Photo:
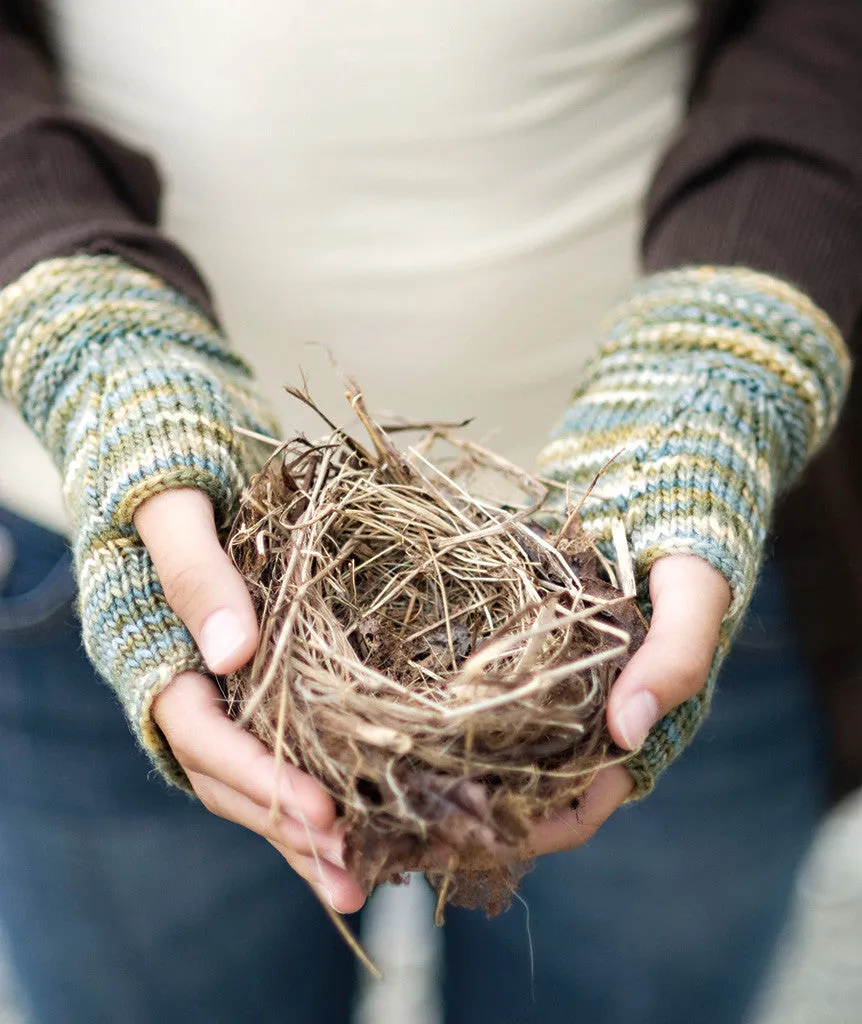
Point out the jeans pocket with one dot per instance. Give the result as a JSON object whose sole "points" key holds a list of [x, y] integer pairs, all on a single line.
{"points": [[37, 586]]}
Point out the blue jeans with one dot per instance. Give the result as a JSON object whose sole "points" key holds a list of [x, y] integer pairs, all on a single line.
{"points": [[124, 901]]}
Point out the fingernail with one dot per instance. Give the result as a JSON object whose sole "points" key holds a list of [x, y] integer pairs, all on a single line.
{"points": [[638, 715], [221, 636], [335, 858]]}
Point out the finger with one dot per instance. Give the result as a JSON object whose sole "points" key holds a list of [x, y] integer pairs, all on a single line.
{"points": [[200, 582], [334, 885], [277, 827], [190, 712], [568, 829], [689, 600]]}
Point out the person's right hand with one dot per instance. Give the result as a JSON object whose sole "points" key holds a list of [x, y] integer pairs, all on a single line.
{"points": [[230, 771], [135, 392]]}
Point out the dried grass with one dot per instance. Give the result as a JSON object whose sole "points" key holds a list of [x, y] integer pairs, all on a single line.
{"points": [[439, 663]]}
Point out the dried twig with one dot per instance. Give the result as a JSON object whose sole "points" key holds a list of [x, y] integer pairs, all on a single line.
{"points": [[437, 662]]}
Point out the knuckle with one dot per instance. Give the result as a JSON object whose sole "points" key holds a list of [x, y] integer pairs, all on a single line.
{"points": [[294, 859], [206, 793], [685, 673], [185, 585], [258, 771], [185, 753], [693, 672], [278, 830]]}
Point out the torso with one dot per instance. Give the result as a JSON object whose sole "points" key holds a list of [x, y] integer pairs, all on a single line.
{"points": [[443, 195]]}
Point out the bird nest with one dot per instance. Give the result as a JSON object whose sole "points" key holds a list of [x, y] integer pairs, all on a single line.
{"points": [[438, 663]]}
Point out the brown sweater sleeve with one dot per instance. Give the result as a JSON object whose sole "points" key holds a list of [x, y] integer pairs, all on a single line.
{"points": [[767, 171], [65, 186], [767, 168]]}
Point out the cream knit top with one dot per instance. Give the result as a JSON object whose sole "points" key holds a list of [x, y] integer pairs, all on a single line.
{"points": [[444, 195]]}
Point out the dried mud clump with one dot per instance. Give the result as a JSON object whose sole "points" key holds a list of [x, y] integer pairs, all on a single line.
{"points": [[439, 663]]}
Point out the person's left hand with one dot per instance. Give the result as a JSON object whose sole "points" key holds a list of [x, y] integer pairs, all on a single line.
{"points": [[689, 599]]}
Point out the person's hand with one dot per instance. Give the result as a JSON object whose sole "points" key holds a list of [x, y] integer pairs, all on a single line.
{"points": [[711, 388], [140, 394], [235, 776], [689, 599], [231, 772]]}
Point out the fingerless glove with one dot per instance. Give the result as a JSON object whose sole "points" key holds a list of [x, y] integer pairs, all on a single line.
{"points": [[713, 389], [132, 389]]}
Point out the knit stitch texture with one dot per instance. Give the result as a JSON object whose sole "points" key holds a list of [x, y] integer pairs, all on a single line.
{"points": [[132, 390], [713, 389]]}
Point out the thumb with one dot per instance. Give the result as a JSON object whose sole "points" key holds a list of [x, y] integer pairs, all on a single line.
{"points": [[689, 600], [199, 580]]}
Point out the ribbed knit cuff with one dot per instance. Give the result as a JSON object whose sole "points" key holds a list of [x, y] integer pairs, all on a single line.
{"points": [[714, 387], [133, 391], [136, 642]]}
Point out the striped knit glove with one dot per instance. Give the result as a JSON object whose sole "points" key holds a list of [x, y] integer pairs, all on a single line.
{"points": [[714, 388], [132, 390]]}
